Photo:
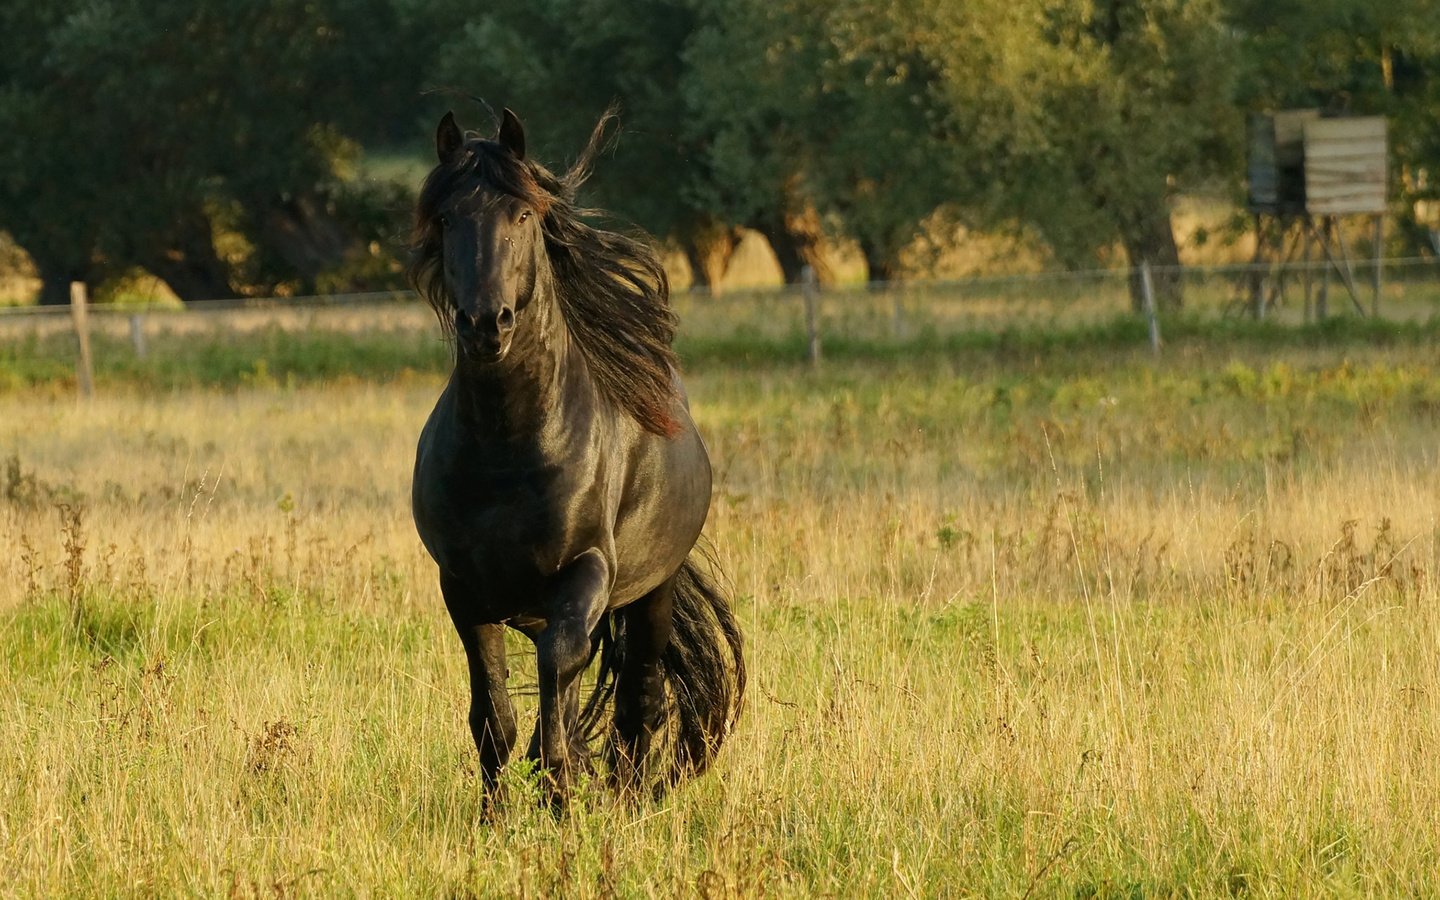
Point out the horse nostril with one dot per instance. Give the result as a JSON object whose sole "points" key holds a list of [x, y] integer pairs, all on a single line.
{"points": [[506, 319]]}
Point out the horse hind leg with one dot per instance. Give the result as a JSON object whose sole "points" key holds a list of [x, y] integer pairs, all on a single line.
{"points": [[640, 686]]}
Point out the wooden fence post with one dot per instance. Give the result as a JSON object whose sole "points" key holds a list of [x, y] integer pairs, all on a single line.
{"points": [[810, 287], [1309, 273], [137, 334], [1379, 273], [1147, 287], [79, 315], [1322, 299]]}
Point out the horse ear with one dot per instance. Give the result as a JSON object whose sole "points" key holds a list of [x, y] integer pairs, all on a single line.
{"points": [[448, 139], [512, 134]]}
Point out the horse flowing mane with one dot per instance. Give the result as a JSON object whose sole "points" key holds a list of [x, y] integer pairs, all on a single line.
{"points": [[612, 289]]}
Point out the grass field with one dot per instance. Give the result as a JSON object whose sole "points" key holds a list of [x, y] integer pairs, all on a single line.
{"points": [[1025, 617]]}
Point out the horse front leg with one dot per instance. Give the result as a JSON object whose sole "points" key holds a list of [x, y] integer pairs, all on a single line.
{"points": [[579, 748], [492, 716], [578, 597]]}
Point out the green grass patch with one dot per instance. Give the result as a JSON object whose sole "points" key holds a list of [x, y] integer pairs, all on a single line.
{"points": [[280, 356]]}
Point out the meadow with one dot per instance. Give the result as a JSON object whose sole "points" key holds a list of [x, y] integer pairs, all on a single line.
{"points": [[1027, 614]]}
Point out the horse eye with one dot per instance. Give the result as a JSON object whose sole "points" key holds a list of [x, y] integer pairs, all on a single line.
{"points": [[444, 219], [524, 216]]}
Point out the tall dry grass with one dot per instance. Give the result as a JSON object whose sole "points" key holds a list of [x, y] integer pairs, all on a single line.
{"points": [[1016, 628]]}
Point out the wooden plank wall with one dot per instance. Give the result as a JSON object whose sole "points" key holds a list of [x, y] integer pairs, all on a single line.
{"points": [[1345, 166], [1262, 176]]}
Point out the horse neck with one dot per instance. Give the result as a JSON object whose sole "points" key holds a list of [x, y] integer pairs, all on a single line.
{"points": [[531, 391]]}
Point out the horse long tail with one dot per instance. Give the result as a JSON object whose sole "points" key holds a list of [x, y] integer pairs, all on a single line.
{"points": [[704, 671], [704, 667]]}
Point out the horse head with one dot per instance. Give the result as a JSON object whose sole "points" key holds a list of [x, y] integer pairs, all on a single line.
{"points": [[494, 230], [490, 243]]}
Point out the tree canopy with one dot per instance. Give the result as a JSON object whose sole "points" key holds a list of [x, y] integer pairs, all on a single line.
{"points": [[145, 127], [216, 145]]}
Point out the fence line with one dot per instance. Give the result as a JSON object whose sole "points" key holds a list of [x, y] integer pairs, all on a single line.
{"points": [[308, 301], [1077, 276], [1393, 267], [888, 314], [893, 313]]}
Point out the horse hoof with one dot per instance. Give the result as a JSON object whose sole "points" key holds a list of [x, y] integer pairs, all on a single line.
{"points": [[555, 790], [581, 760]]}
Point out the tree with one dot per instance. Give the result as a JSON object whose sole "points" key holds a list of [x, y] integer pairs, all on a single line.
{"points": [[1136, 105], [919, 100], [148, 124], [751, 108], [859, 120], [867, 119], [561, 64], [46, 157]]}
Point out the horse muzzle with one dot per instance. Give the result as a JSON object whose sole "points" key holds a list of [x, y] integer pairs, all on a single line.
{"points": [[484, 336]]}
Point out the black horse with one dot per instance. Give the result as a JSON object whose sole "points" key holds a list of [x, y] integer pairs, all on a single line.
{"points": [[560, 483]]}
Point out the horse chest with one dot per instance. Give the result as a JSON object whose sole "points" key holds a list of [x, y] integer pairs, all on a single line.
{"points": [[510, 528]]}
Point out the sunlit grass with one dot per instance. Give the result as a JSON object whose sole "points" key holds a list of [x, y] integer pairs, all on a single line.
{"points": [[1037, 622]]}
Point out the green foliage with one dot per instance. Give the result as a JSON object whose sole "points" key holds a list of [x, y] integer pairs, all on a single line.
{"points": [[147, 125], [809, 105], [218, 146], [1076, 121], [560, 65], [280, 357]]}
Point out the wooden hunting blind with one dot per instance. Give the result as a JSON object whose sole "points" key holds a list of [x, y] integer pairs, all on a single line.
{"points": [[1303, 163], [1277, 162], [1308, 169]]}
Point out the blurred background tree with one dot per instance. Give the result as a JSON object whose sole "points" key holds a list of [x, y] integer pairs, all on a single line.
{"points": [[1138, 107], [561, 65], [148, 129], [824, 122], [230, 149]]}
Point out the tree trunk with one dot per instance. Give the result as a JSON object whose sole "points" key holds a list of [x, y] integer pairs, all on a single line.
{"points": [[192, 279], [796, 240], [881, 267], [190, 266], [55, 278], [55, 291], [306, 236], [186, 261], [1149, 236], [708, 250]]}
